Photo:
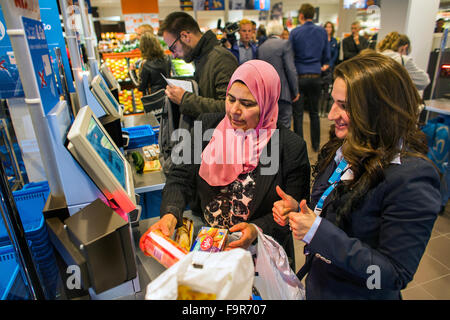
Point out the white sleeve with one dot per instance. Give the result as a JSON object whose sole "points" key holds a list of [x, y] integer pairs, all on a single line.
{"points": [[418, 76]]}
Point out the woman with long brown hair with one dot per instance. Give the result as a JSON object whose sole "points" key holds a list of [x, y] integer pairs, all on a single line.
{"points": [[375, 196], [154, 63]]}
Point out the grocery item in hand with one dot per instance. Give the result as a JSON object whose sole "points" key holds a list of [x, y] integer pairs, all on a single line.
{"points": [[210, 240], [184, 235], [162, 248]]}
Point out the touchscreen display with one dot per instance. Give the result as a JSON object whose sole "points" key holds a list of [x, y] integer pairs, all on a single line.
{"points": [[106, 151], [109, 95]]}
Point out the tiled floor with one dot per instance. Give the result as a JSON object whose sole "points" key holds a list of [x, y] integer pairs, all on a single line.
{"points": [[432, 279]]}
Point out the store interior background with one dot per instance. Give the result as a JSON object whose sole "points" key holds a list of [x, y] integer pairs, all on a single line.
{"points": [[416, 18], [432, 280]]}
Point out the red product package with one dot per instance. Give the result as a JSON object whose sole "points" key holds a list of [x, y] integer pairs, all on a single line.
{"points": [[163, 249]]}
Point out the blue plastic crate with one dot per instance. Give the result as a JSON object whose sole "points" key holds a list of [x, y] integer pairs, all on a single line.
{"points": [[141, 136], [12, 286], [30, 202]]}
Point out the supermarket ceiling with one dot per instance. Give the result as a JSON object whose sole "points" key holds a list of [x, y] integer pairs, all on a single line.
{"points": [[116, 3]]}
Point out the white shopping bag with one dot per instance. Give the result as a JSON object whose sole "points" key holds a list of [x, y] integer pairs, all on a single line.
{"points": [[275, 279], [227, 274]]}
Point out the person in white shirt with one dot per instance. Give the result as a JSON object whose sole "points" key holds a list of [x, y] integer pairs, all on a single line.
{"points": [[397, 46]]}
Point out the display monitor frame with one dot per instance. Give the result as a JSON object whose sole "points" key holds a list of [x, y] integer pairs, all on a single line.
{"points": [[94, 165], [109, 77], [104, 96]]}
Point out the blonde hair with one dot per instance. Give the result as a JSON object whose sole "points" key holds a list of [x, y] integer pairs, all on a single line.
{"points": [[244, 21], [393, 41]]}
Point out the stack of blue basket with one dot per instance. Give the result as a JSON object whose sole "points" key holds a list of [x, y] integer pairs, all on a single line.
{"points": [[30, 202], [12, 285]]}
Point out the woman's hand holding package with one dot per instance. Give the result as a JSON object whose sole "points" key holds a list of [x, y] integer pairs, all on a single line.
{"points": [[166, 225], [301, 222], [281, 208], [249, 234]]}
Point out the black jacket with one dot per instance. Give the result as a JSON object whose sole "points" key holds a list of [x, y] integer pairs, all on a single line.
{"points": [[388, 231], [351, 49], [214, 66], [293, 176], [151, 75]]}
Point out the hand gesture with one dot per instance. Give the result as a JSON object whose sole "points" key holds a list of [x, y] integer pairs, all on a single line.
{"points": [[301, 222], [281, 208]]}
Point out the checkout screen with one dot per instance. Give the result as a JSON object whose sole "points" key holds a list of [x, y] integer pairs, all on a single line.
{"points": [[109, 95], [106, 151]]}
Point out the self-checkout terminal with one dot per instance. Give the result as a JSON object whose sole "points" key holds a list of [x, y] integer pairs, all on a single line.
{"points": [[91, 215]]}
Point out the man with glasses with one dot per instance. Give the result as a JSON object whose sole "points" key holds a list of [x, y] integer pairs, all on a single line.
{"points": [[214, 65]]}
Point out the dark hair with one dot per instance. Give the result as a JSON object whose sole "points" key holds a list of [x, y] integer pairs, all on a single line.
{"points": [[332, 27], [261, 31], [378, 88], [176, 22], [307, 10]]}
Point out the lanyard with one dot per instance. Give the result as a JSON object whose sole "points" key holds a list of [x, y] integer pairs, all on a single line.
{"points": [[334, 179]]}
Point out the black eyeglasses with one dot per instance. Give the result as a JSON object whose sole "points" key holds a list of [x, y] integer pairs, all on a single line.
{"points": [[171, 49]]}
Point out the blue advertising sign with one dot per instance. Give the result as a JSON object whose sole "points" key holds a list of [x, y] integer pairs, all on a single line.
{"points": [[37, 44], [262, 5], [55, 39], [10, 85]]}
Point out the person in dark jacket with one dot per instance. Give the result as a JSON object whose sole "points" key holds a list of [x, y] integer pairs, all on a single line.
{"points": [[155, 63], [237, 188], [279, 54], [334, 45], [353, 44], [375, 196], [214, 64], [244, 49]]}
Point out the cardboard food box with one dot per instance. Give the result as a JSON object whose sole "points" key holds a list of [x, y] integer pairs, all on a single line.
{"points": [[210, 240]]}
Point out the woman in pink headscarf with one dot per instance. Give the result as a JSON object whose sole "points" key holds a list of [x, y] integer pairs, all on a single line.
{"points": [[243, 161]]}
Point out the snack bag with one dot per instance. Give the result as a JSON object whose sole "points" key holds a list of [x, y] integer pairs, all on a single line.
{"points": [[186, 293], [163, 249], [185, 234], [210, 240]]}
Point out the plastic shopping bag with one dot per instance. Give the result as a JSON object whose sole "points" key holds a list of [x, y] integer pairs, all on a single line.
{"points": [[274, 278], [223, 275]]}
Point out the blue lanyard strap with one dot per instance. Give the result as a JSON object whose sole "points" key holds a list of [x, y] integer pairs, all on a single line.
{"points": [[334, 179]]}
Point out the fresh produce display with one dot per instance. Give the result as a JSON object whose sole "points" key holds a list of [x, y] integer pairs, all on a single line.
{"points": [[119, 67], [126, 99], [117, 42]]}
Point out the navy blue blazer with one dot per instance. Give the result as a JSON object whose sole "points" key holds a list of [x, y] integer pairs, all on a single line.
{"points": [[235, 50], [390, 231]]}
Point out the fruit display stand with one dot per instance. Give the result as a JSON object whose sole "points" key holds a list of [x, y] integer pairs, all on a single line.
{"points": [[119, 64]]}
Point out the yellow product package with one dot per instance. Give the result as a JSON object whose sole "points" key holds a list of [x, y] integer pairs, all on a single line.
{"points": [[185, 234]]}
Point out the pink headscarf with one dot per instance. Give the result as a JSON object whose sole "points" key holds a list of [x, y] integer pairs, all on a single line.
{"points": [[245, 148]]}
